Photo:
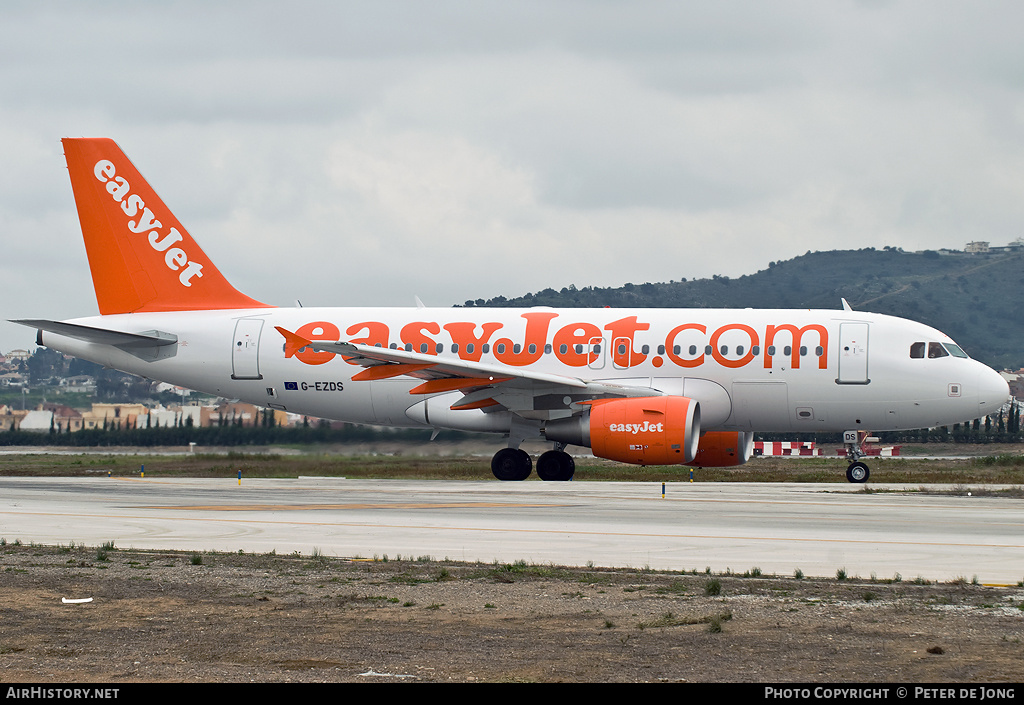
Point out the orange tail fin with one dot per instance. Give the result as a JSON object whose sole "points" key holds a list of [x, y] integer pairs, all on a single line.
{"points": [[141, 257]]}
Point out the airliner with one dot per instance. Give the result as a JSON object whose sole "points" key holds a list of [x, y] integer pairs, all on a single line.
{"points": [[639, 386]]}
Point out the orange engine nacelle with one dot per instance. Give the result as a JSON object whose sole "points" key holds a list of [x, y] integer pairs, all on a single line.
{"points": [[721, 449], [641, 430]]}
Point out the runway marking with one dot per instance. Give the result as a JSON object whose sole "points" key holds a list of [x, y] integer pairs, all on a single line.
{"points": [[309, 507]]}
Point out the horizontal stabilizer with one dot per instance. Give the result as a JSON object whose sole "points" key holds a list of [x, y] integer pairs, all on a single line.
{"points": [[149, 345]]}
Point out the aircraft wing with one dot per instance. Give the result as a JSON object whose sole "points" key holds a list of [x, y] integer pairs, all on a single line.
{"points": [[483, 385]]}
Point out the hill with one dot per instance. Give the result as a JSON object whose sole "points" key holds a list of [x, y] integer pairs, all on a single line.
{"points": [[977, 299]]}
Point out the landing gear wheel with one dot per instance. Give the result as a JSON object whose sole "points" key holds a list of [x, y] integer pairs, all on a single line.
{"points": [[857, 472], [511, 464], [556, 465]]}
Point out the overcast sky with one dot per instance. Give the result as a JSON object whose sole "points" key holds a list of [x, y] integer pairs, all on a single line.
{"points": [[361, 153]]}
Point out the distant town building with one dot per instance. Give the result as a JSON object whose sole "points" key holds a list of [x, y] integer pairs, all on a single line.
{"points": [[10, 419], [977, 247], [37, 421], [1015, 246], [112, 415]]}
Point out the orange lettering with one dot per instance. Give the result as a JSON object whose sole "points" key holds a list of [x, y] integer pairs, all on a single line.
{"points": [[622, 332], [670, 342], [797, 335], [570, 336], [376, 333], [317, 330], [721, 359], [463, 335], [412, 334], [533, 342]]}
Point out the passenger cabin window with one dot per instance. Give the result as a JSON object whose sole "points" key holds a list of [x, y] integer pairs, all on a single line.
{"points": [[917, 350]]}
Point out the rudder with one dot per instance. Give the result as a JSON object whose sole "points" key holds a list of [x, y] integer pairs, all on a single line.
{"points": [[141, 257]]}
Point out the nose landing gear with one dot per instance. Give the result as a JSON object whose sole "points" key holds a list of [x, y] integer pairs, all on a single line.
{"points": [[857, 472]]}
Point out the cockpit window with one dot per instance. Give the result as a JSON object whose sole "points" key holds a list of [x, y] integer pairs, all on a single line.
{"points": [[935, 350], [954, 350]]}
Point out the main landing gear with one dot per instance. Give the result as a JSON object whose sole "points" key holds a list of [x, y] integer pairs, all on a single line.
{"points": [[556, 465], [512, 464]]}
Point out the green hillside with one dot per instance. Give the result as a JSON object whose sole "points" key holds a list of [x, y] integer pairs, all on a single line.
{"points": [[977, 299]]}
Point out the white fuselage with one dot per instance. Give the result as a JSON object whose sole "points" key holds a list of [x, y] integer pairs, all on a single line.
{"points": [[751, 369]]}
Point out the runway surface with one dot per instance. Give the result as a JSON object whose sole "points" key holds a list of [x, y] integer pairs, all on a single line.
{"points": [[775, 527]]}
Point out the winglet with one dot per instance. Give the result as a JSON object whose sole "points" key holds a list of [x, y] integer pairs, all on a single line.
{"points": [[141, 257], [292, 341]]}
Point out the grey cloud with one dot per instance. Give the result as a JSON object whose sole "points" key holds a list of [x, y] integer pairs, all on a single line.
{"points": [[374, 143]]}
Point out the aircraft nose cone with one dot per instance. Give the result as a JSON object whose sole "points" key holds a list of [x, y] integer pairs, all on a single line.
{"points": [[993, 391]]}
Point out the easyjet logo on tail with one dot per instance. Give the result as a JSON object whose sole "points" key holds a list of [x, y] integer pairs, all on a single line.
{"points": [[142, 221]]}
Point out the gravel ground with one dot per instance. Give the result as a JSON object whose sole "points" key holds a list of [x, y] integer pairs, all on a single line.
{"points": [[177, 617]]}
